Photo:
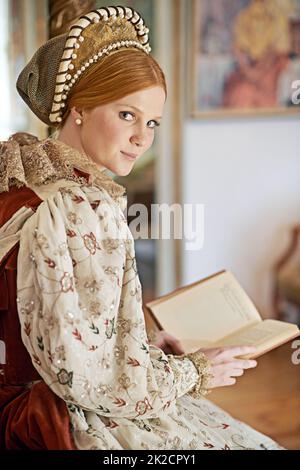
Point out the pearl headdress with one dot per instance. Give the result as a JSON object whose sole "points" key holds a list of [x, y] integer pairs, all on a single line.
{"points": [[45, 82], [95, 35]]}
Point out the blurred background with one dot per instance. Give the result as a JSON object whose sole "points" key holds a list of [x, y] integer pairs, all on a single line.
{"points": [[229, 140]]}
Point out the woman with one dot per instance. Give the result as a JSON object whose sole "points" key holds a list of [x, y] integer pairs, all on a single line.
{"points": [[68, 245]]}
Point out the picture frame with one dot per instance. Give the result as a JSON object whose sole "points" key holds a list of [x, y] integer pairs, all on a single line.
{"points": [[245, 58]]}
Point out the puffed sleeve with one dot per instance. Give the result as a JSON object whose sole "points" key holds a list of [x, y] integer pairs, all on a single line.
{"points": [[80, 308]]}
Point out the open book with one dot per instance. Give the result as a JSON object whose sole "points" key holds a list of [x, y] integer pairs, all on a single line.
{"points": [[216, 311]]}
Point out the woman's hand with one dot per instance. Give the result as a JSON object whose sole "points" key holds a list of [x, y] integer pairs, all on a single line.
{"points": [[225, 365], [168, 343]]}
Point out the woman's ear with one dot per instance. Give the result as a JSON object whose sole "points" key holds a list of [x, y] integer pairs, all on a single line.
{"points": [[76, 112]]}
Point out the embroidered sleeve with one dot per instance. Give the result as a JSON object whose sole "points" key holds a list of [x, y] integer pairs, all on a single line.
{"points": [[185, 372], [201, 375], [80, 309]]}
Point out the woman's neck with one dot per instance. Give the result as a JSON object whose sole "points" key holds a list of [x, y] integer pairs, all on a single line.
{"points": [[70, 136]]}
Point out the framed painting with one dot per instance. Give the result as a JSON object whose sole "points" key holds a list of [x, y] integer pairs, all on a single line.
{"points": [[245, 57]]}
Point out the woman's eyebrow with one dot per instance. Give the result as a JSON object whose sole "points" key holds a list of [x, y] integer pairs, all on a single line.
{"points": [[137, 109]]}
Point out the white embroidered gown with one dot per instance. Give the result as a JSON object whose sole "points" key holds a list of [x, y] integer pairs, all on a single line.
{"points": [[80, 308]]}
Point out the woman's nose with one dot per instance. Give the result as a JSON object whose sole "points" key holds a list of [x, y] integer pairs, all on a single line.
{"points": [[139, 139]]}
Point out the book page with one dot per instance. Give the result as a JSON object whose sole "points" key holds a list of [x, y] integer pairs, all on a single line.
{"points": [[265, 335], [207, 311]]}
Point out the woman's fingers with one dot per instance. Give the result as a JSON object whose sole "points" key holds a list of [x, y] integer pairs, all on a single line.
{"points": [[236, 351], [237, 372], [221, 379], [226, 365], [225, 373], [229, 381], [174, 344], [241, 364], [177, 347]]}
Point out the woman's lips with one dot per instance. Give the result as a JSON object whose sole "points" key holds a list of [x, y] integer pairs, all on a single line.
{"points": [[130, 156]]}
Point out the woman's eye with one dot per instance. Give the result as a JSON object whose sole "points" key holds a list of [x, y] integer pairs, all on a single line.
{"points": [[125, 112], [156, 124]]}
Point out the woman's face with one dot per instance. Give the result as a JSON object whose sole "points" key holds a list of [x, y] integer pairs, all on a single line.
{"points": [[126, 125]]}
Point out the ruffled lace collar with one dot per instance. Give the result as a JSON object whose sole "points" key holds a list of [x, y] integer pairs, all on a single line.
{"points": [[26, 160]]}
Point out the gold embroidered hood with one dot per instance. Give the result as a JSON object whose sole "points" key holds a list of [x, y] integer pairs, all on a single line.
{"points": [[26, 160]]}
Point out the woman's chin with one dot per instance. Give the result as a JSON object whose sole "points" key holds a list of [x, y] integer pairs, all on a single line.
{"points": [[123, 171]]}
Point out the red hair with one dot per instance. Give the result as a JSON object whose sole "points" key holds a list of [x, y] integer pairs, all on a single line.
{"points": [[115, 76]]}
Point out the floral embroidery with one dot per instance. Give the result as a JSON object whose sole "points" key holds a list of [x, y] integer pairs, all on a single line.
{"points": [[65, 377], [78, 199], [61, 353], [110, 328], [124, 381], [112, 424], [27, 328], [125, 325], [95, 204], [67, 283], [77, 335], [142, 425], [40, 342], [62, 249], [96, 309], [120, 402], [71, 233], [74, 219], [93, 286], [36, 359], [94, 329], [119, 353], [133, 362], [91, 243], [42, 241], [50, 263], [112, 272], [109, 244], [142, 406]]}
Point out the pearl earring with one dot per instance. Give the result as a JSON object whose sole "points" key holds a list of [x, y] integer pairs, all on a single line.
{"points": [[78, 121]]}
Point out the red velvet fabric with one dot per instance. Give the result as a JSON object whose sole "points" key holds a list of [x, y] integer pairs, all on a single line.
{"points": [[18, 368], [33, 419]]}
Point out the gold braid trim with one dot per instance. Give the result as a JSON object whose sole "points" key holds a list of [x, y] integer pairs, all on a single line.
{"points": [[203, 366]]}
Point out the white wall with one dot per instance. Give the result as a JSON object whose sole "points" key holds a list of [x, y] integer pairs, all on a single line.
{"points": [[247, 173]]}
